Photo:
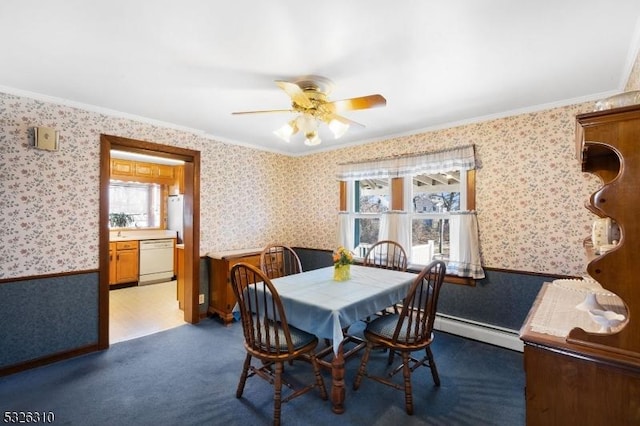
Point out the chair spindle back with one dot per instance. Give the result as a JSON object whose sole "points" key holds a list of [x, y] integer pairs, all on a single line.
{"points": [[279, 261], [415, 325], [386, 254], [264, 322]]}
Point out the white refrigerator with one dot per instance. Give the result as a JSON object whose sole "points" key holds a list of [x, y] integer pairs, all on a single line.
{"points": [[175, 211]]}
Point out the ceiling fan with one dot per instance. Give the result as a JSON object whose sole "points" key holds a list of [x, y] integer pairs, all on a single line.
{"points": [[309, 99]]}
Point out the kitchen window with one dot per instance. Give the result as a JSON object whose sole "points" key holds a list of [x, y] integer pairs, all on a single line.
{"points": [[425, 202], [140, 201]]}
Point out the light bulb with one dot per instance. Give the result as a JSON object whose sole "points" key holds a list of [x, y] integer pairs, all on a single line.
{"points": [[306, 123], [338, 128], [312, 139], [284, 132]]}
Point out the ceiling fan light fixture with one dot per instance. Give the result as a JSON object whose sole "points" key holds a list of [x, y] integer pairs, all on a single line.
{"points": [[309, 100], [306, 123], [286, 131], [312, 138], [338, 128]]}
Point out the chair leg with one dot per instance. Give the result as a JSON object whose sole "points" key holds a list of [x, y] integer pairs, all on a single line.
{"points": [[319, 381], [390, 359], [243, 376], [363, 366], [277, 398], [406, 373], [432, 365]]}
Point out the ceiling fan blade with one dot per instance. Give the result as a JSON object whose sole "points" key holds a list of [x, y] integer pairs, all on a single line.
{"points": [[343, 120], [295, 92], [262, 111], [363, 102]]}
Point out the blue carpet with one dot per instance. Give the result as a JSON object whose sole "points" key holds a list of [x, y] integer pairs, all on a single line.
{"points": [[188, 376]]}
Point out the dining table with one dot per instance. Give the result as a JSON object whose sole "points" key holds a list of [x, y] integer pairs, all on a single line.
{"points": [[316, 303]]}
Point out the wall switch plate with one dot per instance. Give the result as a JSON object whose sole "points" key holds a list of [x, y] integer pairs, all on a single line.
{"points": [[45, 138], [201, 299]]}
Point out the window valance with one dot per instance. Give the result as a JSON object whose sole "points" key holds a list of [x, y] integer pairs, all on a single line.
{"points": [[459, 158]]}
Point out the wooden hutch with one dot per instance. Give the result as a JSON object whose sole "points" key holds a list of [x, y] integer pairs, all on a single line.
{"points": [[593, 378]]}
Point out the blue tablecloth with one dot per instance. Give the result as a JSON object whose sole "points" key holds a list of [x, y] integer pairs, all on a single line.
{"points": [[315, 303]]}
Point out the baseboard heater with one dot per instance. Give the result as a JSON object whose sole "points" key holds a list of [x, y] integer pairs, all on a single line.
{"points": [[482, 332]]}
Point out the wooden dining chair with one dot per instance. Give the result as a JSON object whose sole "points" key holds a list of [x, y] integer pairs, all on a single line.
{"points": [[268, 337], [409, 331], [386, 254], [279, 260]]}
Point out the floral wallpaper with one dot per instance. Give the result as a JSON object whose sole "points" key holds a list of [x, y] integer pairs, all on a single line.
{"points": [[530, 190], [633, 83], [50, 200]]}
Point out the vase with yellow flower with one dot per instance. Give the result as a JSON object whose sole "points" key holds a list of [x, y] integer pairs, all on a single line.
{"points": [[342, 260]]}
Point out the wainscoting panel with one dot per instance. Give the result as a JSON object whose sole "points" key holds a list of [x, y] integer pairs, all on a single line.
{"points": [[501, 299], [41, 317]]}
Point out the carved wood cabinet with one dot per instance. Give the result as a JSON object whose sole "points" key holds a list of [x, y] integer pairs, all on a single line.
{"points": [[587, 377]]}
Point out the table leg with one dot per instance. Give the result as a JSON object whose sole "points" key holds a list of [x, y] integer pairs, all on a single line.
{"points": [[337, 382]]}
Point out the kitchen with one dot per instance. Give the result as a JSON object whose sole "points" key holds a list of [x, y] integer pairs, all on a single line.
{"points": [[145, 234]]}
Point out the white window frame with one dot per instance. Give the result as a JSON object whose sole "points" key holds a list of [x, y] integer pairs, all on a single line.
{"points": [[408, 207], [354, 215]]}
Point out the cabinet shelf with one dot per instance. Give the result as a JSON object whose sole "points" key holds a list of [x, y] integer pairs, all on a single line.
{"points": [[609, 143]]}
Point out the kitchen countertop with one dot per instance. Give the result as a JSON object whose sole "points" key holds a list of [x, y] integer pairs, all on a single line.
{"points": [[130, 235]]}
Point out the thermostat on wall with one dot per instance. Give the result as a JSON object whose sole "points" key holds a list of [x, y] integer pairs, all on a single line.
{"points": [[45, 138]]}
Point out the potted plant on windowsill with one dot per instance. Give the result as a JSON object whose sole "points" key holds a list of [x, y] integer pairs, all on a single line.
{"points": [[120, 220]]}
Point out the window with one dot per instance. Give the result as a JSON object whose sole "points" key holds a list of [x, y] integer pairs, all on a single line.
{"points": [[140, 201], [370, 198], [433, 197], [424, 202]]}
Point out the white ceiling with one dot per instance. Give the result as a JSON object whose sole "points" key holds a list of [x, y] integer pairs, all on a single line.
{"points": [[189, 64]]}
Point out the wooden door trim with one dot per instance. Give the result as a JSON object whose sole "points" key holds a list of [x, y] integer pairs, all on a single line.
{"points": [[191, 226]]}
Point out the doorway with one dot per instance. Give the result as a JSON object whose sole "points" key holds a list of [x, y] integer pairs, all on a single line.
{"points": [[191, 232]]}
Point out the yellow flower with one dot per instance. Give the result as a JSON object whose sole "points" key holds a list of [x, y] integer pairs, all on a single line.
{"points": [[342, 256]]}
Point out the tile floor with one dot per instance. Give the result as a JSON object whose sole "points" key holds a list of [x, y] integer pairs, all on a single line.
{"points": [[138, 311]]}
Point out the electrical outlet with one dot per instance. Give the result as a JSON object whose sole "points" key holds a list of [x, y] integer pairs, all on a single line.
{"points": [[201, 299]]}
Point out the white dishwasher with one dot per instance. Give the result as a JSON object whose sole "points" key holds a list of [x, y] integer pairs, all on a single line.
{"points": [[156, 261]]}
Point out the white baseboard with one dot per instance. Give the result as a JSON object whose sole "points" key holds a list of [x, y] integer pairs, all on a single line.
{"points": [[494, 335]]}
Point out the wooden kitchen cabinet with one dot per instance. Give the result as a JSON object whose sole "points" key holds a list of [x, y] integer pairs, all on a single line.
{"points": [[165, 172], [122, 167], [143, 169], [143, 172], [125, 267], [221, 297], [112, 263], [178, 184]]}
